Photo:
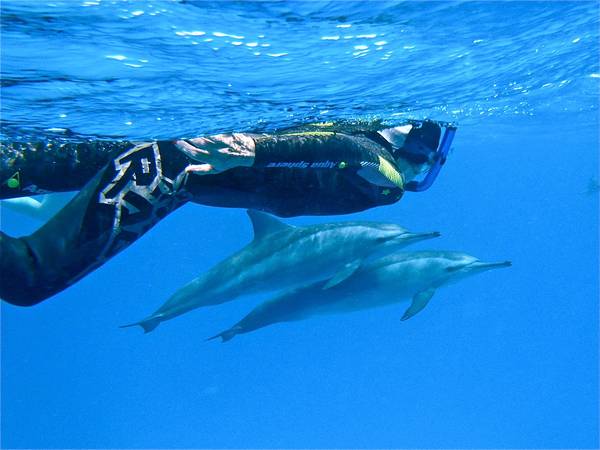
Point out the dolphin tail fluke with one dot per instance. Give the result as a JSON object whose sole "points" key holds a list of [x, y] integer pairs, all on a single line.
{"points": [[147, 324], [226, 335]]}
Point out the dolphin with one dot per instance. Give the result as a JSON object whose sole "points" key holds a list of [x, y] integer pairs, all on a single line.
{"points": [[388, 280], [284, 256]]}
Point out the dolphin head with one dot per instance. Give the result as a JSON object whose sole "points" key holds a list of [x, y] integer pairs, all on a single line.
{"points": [[459, 265], [385, 238], [392, 236]]}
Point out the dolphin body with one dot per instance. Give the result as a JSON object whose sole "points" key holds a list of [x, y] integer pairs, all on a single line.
{"points": [[391, 279], [284, 256]]}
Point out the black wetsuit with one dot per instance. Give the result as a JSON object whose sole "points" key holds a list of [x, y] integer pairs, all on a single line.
{"points": [[126, 188]]}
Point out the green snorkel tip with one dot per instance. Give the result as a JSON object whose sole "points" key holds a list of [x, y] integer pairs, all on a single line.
{"points": [[342, 165], [14, 181]]}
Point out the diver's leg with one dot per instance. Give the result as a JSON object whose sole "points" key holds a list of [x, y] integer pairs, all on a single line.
{"points": [[124, 200], [30, 168]]}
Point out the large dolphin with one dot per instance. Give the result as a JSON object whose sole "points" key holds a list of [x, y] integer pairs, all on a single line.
{"points": [[391, 279], [284, 256]]}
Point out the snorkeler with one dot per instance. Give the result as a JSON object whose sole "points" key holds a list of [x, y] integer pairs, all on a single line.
{"points": [[126, 188]]}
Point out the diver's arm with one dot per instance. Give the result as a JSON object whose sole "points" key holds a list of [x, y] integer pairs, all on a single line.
{"points": [[127, 197], [305, 150], [367, 157]]}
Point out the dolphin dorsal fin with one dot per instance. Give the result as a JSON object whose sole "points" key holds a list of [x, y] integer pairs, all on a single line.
{"points": [[265, 224]]}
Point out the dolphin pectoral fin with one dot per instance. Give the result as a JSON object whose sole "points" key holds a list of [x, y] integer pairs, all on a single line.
{"points": [[265, 224], [344, 273], [226, 335], [419, 302], [147, 324]]}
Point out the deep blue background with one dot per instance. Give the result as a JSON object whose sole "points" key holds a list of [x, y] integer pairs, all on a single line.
{"points": [[505, 359]]}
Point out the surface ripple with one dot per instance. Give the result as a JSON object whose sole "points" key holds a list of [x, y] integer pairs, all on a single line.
{"points": [[182, 68]]}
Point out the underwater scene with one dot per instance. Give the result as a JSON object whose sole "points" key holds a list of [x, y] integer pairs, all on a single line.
{"points": [[303, 224]]}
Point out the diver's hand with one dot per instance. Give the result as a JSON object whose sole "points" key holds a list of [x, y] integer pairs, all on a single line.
{"points": [[218, 153]]}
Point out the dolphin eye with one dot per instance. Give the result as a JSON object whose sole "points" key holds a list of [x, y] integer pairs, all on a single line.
{"points": [[453, 268]]}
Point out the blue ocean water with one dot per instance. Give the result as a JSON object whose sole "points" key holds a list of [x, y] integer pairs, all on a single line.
{"points": [[505, 359]]}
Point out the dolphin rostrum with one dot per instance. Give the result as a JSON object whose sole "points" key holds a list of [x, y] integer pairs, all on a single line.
{"points": [[391, 279], [284, 256]]}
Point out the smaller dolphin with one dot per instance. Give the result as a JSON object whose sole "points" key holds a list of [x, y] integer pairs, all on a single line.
{"points": [[284, 256], [388, 280]]}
